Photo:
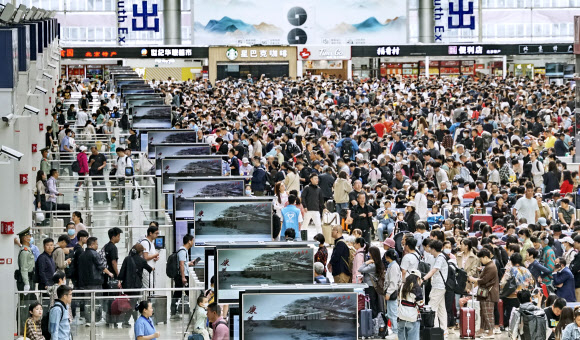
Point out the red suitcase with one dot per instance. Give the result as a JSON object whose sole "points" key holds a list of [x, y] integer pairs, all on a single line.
{"points": [[467, 323], [480, 217], [500, 312]]}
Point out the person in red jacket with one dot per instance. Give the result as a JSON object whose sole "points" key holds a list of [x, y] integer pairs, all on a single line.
{"points": [[83, 161], [567, 184]]}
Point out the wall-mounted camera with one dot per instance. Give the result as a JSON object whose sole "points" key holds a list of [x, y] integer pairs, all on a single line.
{"points": [[46, 75], [8, 118], [40, 89], [52, 66], [53, 58], [10, 153], [31, 109]]}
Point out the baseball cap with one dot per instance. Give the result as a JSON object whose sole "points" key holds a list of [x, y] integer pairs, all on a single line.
{"points": [[567, 239], [389, 242], [542, 221], [411, 204], [415, 272], [245, 160]]}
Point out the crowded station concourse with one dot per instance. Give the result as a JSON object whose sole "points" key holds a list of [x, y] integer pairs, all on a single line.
{"points": [[291, 203], [459, 188]]}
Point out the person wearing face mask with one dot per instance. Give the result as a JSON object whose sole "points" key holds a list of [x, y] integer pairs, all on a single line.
{"points": [[477, 206], [199, 317], [524, 238]]}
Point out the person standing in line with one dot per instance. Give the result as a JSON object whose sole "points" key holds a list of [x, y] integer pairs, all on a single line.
{"points": [[183, 279], [411, 295], [91, 270], [439, 274], [338, 264], [489, 281], [112, 254], [322, 253], [45, 265], [393, 281], [150, 254], [341, 189], [58, 321], [98, 162], [291, 218], [313, 203], [362, 214]]}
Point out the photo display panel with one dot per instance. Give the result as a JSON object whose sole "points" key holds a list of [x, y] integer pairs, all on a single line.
{"points": [[298, 315], [156, 137], [204, 187], [151, 117], [181, 150], [259, 266], [172, 169], [233, 220]]}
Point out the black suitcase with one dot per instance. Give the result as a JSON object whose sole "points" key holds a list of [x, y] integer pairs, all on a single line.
{"points": [[159, 303], [427, 319], [432, 334], [87, 313]]}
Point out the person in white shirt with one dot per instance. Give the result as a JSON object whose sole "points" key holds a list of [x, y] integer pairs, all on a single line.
{"points": [[439, 274], [82, 118], [411, 259], [150, 254], [421, 200], [113, 102]]}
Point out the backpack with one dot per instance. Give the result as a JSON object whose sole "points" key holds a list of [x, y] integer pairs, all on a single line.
{"points": [[75, 166], [423, 267], [387, 174], [486, 140], [460, 280], [375, 149], [534, 324], [346, 148], [351, 253], [364, 175], [450, 283], [103, 257], [45, 321], [84, 103], [172, 269]]}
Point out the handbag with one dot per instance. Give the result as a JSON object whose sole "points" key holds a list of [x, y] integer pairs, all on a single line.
{"points": [[482, 292], [510, 287], [39, 215]]}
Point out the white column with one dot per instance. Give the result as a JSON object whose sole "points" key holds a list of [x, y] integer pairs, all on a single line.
{"points": [[299, 69], [349, 69], [504, 66], [427, 66]]}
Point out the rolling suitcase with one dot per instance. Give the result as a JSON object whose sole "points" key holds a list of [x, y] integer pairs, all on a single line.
{"points": [[432, 334], [367, 328], [159, 303], [467, 323], [480, 217], [427, 319]]}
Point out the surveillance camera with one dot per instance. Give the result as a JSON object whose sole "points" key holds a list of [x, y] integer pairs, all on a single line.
{"points": [[47, 75], [31, 109], [51, 66], [41, 89], [54, 58], [11, 153], [8, 118]]}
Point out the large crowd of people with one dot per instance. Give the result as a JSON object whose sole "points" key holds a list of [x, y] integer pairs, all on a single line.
{"points": [[463, 182]]}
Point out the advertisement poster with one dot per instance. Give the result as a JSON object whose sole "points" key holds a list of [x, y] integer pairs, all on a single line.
{"points": [[324, 22]]}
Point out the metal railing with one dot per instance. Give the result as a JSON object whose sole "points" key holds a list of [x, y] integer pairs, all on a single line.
{"points": [[94, 318]]}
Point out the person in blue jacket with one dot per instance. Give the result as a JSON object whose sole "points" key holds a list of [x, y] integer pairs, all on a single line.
{"points": [[291, 217], [354, 146], [398, 145], [563, 281], [259, 178]]}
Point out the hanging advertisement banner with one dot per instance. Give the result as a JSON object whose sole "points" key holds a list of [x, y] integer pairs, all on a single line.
{"points": [[323, 22], [136, 16]]}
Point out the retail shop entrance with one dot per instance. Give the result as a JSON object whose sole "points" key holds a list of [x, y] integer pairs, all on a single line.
{"points": [[241, 70]]}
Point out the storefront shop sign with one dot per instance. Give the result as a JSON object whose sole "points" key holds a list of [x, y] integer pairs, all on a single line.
{"points": [[324, 53], [133, 52], [233, 53], [546, 49], [458, 50]]}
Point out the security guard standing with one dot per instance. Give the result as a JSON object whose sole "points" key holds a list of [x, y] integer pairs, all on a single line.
{"points": [[25, 272]]}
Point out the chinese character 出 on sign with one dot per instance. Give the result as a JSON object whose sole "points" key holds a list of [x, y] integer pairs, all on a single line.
{"points": [[458, 14], [145, 15]]}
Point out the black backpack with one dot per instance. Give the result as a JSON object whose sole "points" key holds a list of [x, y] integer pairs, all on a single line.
{"points": [[172, 269], [375, 149], [450, 282], [124, 124], [387, 174], [45, 321], [423, 267], [75, 167], [84, 104], [346, 149]]}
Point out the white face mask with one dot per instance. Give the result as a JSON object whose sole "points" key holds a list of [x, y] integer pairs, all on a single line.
{"points": [[477, 204], [447, 251]]}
